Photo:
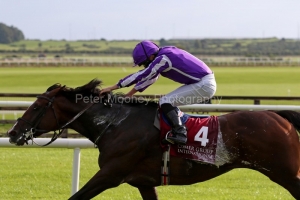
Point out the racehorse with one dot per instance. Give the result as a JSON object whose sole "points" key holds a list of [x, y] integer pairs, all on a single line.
{"points": [[265, 141]]}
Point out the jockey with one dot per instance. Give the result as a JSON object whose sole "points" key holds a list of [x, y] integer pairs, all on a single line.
{"points": [[198, 81]]}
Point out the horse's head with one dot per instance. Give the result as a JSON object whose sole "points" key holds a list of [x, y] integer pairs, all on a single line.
{"points": [[40, 114], [52, 111]]}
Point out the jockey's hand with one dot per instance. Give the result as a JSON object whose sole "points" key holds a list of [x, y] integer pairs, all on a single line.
{"points": [[104, 90], [109, 89]]}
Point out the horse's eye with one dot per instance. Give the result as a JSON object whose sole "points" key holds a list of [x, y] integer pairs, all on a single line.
{"points": [[36, 108]]}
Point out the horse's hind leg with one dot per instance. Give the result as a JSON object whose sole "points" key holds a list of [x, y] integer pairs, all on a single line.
{"points": [[148, 193]]}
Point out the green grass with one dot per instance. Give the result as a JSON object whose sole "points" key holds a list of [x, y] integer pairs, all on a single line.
{"points": [[248, 81], [46, 173], [244, 81], [263, 81], [37, 80]]}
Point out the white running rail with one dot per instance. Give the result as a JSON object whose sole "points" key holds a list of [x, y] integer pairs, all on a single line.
{"points": [[75, 144]]}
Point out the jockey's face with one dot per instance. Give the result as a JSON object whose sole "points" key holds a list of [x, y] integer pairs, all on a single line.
{"points": [[147, 62]]}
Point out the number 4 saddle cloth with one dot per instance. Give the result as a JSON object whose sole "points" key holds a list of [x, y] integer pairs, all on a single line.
{"points": [[202, 138]]}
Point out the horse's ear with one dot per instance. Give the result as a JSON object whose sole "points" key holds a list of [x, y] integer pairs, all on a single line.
{"points": [[56, 91]]}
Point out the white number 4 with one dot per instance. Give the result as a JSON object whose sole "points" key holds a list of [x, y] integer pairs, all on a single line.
{"points": [[201, 136]]}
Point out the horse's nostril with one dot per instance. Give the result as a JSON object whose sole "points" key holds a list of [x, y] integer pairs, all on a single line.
{"points": [[11, 133]]}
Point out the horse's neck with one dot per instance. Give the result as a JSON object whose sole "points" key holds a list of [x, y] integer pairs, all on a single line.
{"points": [[98, 119]]}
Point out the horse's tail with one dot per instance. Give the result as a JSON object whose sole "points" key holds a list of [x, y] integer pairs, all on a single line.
{"points": [[292, 116]]}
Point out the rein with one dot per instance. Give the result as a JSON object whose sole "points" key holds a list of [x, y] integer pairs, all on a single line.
{"points": [[105, 129], [33, 130], [78, 115]]}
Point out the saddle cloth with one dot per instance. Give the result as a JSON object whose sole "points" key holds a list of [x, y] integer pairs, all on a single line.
{"points": [[202, 138]]}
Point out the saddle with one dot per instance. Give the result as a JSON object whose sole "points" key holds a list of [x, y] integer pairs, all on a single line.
{"points": [[202, 137], [202, 140]]}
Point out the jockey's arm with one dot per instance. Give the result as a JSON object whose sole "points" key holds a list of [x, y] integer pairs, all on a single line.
{"points": [[114, 87], [108, 89], [131, 92]]}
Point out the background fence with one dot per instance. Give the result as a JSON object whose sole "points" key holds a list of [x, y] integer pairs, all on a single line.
{"points": [[117, 61], [16, 108]]}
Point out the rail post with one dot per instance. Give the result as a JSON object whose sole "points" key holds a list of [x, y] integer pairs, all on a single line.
{"points": [[76, 170]]}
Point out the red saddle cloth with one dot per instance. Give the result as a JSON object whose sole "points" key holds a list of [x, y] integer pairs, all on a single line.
{"points": [[202, 139]]}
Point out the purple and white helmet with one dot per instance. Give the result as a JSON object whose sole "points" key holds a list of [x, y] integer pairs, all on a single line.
{"points": [[143, 51]]}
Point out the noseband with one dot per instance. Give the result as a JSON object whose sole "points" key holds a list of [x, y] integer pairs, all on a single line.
{"points": [[29, 133]]}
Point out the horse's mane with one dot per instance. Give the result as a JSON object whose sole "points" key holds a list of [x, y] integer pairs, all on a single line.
{"points": [[85, 90], [91, 89]]}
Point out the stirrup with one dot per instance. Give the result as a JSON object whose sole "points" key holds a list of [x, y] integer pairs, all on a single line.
{"points": [[167, 139], [174, 142]]}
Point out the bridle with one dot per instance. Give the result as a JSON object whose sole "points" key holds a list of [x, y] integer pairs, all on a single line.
{"points": [[29, 133]]}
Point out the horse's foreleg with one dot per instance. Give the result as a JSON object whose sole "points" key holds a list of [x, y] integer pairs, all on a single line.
{"points": [[291, 184], [294, 188], [148, 192], [100, 182]]}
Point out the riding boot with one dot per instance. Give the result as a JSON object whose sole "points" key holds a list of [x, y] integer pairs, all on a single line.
{"points": [[178, 134]]}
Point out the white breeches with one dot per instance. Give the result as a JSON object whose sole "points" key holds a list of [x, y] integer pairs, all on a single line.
{"points": [[193, 93]]}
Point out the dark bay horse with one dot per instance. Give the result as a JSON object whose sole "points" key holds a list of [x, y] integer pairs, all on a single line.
{"points": [[264, 141]]}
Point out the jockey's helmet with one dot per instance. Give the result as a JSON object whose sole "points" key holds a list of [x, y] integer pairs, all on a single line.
{"points": [[143, 51]]}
